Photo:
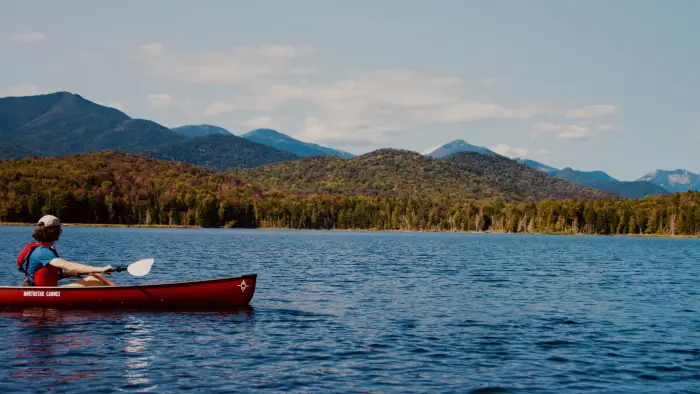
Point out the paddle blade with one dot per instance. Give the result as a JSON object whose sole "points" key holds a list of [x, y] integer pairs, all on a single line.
{"points": [[141, 267]]}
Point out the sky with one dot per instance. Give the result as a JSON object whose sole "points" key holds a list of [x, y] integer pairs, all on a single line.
{"points": [[594, 85]]}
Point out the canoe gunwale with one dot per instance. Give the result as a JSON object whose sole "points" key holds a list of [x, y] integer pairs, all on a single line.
{"points": [[142, 286]]}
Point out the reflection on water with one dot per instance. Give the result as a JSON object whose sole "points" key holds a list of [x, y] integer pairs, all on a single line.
{"points": [[51, 348], [43, 349], [136, 338]]}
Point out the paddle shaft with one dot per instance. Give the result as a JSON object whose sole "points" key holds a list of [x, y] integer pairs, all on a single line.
{"points": [[119, 268]]}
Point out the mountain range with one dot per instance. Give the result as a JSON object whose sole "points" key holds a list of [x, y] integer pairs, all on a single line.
{"points": [[657, 183], [63, 123], [602, 181], [674, 181]]}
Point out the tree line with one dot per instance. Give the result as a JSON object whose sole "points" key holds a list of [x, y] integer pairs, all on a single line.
{"points": [[112, 188], [672, 215]]}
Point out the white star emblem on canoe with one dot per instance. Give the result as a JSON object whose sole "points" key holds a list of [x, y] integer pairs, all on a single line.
{"points": [[243, 286]]}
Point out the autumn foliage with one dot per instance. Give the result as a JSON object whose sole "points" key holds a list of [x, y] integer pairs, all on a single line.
{"points": [[117, 188]]}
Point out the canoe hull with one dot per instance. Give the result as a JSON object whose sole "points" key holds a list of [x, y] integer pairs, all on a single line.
{"points": [[216, 293]]}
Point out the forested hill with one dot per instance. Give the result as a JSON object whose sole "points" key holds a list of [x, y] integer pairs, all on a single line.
{"points": [[111, 187], [391, 172], [385, 172], [513, 177]]}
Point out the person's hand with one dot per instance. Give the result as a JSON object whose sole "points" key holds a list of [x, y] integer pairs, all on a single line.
{"points": [[107, 269]]}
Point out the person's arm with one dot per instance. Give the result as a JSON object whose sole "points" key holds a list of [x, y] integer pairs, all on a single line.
{"points": [[74, 269]]}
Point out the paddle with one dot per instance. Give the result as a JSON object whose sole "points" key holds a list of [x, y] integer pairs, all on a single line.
{"points": [[139, 268]]}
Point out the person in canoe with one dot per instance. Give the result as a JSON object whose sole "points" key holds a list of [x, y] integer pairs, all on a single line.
{"points": [[43, 267]]}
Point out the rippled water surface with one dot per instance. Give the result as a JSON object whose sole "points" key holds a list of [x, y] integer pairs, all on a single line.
{"points": [[379, 312]]}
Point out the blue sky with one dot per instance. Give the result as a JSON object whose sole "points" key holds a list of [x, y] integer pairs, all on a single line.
{"points": [[609, 85]]}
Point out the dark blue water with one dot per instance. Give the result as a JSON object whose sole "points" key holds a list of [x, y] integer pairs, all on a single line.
{"points": [[379, 312]]}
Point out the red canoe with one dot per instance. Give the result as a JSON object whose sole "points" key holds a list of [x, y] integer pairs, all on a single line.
{"points": [[214, 293]]}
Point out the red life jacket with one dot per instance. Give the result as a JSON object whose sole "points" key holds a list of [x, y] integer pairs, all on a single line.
{"points": [[44, 276]]}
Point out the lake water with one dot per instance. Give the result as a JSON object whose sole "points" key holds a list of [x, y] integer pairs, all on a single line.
{"points": [[379, 312]]}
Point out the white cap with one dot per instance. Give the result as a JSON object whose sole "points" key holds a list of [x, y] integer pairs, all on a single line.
{"points": [[49, 221]]}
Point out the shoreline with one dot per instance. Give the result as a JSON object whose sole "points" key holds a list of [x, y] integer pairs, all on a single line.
{"points": [[20, 224], [168, 226]]}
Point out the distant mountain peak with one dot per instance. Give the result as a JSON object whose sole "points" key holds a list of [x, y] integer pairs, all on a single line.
{"points": [[457, 146], [460, 143], [678, 180], [283, 142]]}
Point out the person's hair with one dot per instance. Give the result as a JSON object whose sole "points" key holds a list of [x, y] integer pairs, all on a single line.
{"points": [[47, 234]]}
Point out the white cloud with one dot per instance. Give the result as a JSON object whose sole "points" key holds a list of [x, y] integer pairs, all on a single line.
{"points": [[591, 111], [29, 36], [160, 100], [151, 49], [262, 122], [241, 104], [577, 133], [221, 107], [241, 66], [25, 90], [565, 131], [331, 131], [607, 127], [367, 108], [505, 150], [362, 109], [465, 112], [276, 51]]}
